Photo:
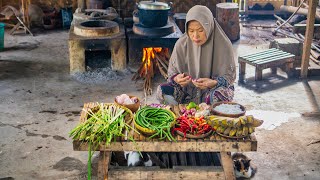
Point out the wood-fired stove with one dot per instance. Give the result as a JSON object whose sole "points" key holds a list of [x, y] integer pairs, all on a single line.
{"points": [[147, 39], [112, 42]]}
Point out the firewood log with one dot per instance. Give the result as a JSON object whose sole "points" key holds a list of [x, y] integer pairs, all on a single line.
{"points": [[315, 54], [292, 9]]}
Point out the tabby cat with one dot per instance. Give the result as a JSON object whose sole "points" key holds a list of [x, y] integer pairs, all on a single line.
{"points": [[243, 167]]}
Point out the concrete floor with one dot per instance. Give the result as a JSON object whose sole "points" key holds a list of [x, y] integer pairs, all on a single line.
{"points": [[40, 103]]}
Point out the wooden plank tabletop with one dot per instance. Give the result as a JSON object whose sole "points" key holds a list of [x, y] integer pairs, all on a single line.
{"points": [[213, 143], [267, 56]]}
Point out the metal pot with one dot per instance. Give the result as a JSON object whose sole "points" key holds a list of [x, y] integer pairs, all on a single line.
{"points": [[135, 16], [153, 14]]}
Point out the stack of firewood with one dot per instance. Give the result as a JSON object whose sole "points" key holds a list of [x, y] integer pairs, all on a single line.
{"points": [[315, 56], [284, 28], [154, 60]]}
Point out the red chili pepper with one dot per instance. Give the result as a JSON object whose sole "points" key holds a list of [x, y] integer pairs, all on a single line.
{"points": [[192, 125], [201, 131], [176, 129], [201, 126]]}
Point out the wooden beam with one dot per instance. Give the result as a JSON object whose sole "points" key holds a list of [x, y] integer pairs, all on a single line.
{"points": [[28, 2], [305, 5], [161, 146], [103, 164], [302, 11], [227, 165], [264, 12], [274, 32], [176, 173], [82, 4], [301, 28], [282, 21], [308, 39], [259, 25]]}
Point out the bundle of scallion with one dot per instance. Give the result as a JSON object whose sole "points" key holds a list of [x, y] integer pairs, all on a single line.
{"points": [[104, 123]]}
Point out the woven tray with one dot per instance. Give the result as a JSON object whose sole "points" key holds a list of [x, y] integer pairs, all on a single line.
{"points": [[228, 115]]}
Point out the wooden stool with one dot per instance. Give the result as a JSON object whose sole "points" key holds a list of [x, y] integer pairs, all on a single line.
{"points": [[271, 58], [228, 19]]}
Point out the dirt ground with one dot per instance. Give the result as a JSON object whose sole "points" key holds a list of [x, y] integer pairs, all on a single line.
{"points": [[40, 103]]}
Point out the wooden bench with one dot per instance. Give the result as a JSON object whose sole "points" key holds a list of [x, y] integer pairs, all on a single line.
{"points": [[213, 143], [271, 58]]}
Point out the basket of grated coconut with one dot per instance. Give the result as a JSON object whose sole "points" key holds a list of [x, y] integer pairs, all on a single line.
{"points": [[228, 109]]}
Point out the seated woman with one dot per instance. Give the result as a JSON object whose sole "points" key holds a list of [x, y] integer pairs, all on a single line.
{"points": [[201, 67]]}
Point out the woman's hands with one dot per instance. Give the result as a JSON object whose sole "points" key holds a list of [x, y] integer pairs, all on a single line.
{"points": [[182, 79], [201, 83], [204, 83]]}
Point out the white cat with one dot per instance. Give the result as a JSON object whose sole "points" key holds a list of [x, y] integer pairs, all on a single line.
{"points": [[134, 159]]}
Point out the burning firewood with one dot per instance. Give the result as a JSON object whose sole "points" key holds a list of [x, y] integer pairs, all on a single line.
{"points": [[162, 71], [153, 59], [162, 62]]}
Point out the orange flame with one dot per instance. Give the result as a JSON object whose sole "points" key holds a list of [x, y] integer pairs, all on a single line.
{"points": [[148, 54]]}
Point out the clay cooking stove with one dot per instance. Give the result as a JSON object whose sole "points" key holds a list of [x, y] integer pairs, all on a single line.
{"points": [[97, 35]]}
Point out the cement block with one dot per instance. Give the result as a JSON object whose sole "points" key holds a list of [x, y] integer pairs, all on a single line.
{"points": [[289, 45]]}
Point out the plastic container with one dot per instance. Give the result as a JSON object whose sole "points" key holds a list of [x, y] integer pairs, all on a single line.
{"points": [[2, 36]]}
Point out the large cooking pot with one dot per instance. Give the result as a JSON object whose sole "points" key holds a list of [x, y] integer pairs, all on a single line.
{"points": [[153, 14]]}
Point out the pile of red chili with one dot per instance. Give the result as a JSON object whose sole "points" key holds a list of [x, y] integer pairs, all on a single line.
{"points": [[192, 125]]}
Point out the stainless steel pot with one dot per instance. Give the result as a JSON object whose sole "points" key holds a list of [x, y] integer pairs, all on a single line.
{"points": [[152, 13], [153, 5]]}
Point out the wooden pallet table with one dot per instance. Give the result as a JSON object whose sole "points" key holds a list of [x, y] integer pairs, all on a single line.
{"points": [[213, 143], [271, 58]]}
